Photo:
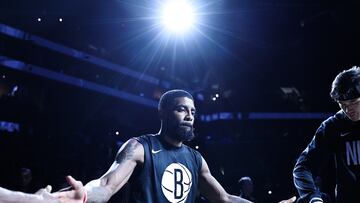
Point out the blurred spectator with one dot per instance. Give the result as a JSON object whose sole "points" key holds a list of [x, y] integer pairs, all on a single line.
{"points": [[246, 188]]}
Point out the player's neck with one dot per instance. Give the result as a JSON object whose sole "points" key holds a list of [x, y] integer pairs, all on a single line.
{"points": [[169, 139]]}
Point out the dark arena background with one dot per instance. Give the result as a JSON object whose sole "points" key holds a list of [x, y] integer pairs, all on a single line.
{"points": [[79, 78]]}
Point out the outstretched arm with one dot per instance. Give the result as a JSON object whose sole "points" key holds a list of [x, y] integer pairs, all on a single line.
{"points": [[212, 189], [42, 196], [214, 192], [100, 190]]}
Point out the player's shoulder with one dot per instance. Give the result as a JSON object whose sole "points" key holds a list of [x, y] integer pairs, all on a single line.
{"points": [[187, 147], [145, 137], [193, 151], [335, 124], [131, 149], [131, 144], [336, 119]]}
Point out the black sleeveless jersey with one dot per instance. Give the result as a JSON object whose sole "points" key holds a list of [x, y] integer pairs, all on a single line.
{"points": [[168, 174]]}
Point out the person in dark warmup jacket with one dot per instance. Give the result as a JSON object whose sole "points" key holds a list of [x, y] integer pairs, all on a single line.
{"points": [[337, 139]]}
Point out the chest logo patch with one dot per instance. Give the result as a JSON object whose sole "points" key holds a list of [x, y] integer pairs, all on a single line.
{"points": [[176, 183]]}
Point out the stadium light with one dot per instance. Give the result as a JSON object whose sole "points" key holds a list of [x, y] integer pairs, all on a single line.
{"points": [[177, 16]]}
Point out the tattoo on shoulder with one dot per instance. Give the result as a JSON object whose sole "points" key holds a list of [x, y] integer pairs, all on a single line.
{"points": [[127, 152]]}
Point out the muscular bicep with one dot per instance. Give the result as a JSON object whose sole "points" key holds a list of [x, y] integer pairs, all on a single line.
{"points": [[129, 156], [132, 150]]}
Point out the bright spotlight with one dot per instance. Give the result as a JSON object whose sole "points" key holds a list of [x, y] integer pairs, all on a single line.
{"points": [[177, 16]]}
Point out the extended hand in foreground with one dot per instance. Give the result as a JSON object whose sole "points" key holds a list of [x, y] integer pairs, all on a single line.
{"points": [[291, 200], [76, 195]]}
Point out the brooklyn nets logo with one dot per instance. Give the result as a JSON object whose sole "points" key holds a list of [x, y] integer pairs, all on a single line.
{"points": [[176, 183]]}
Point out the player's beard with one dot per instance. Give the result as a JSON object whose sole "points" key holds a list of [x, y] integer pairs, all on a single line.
{"points": [[183, 132]]}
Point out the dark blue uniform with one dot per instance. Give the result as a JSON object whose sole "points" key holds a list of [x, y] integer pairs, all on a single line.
{"points": [[169, 174], [337, 139]]}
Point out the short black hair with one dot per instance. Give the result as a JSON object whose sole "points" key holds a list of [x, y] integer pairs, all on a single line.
{"points": [[167, 99], [346, 85]]}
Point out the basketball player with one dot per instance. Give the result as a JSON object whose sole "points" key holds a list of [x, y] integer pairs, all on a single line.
{"points": [[159, 167], [337, 139]]}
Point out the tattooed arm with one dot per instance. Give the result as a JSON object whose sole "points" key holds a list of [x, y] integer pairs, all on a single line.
{"points": [[100, 190], [129, 155]]}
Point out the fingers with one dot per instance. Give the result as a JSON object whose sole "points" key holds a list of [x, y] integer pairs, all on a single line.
{"points": [[79, 190], [293, 199], [65, 189], [48, 188], [75, 191], [74, 183]]}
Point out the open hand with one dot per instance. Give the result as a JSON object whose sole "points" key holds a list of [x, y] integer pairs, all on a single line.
{"points": [[76, 195], [291, 200]]}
